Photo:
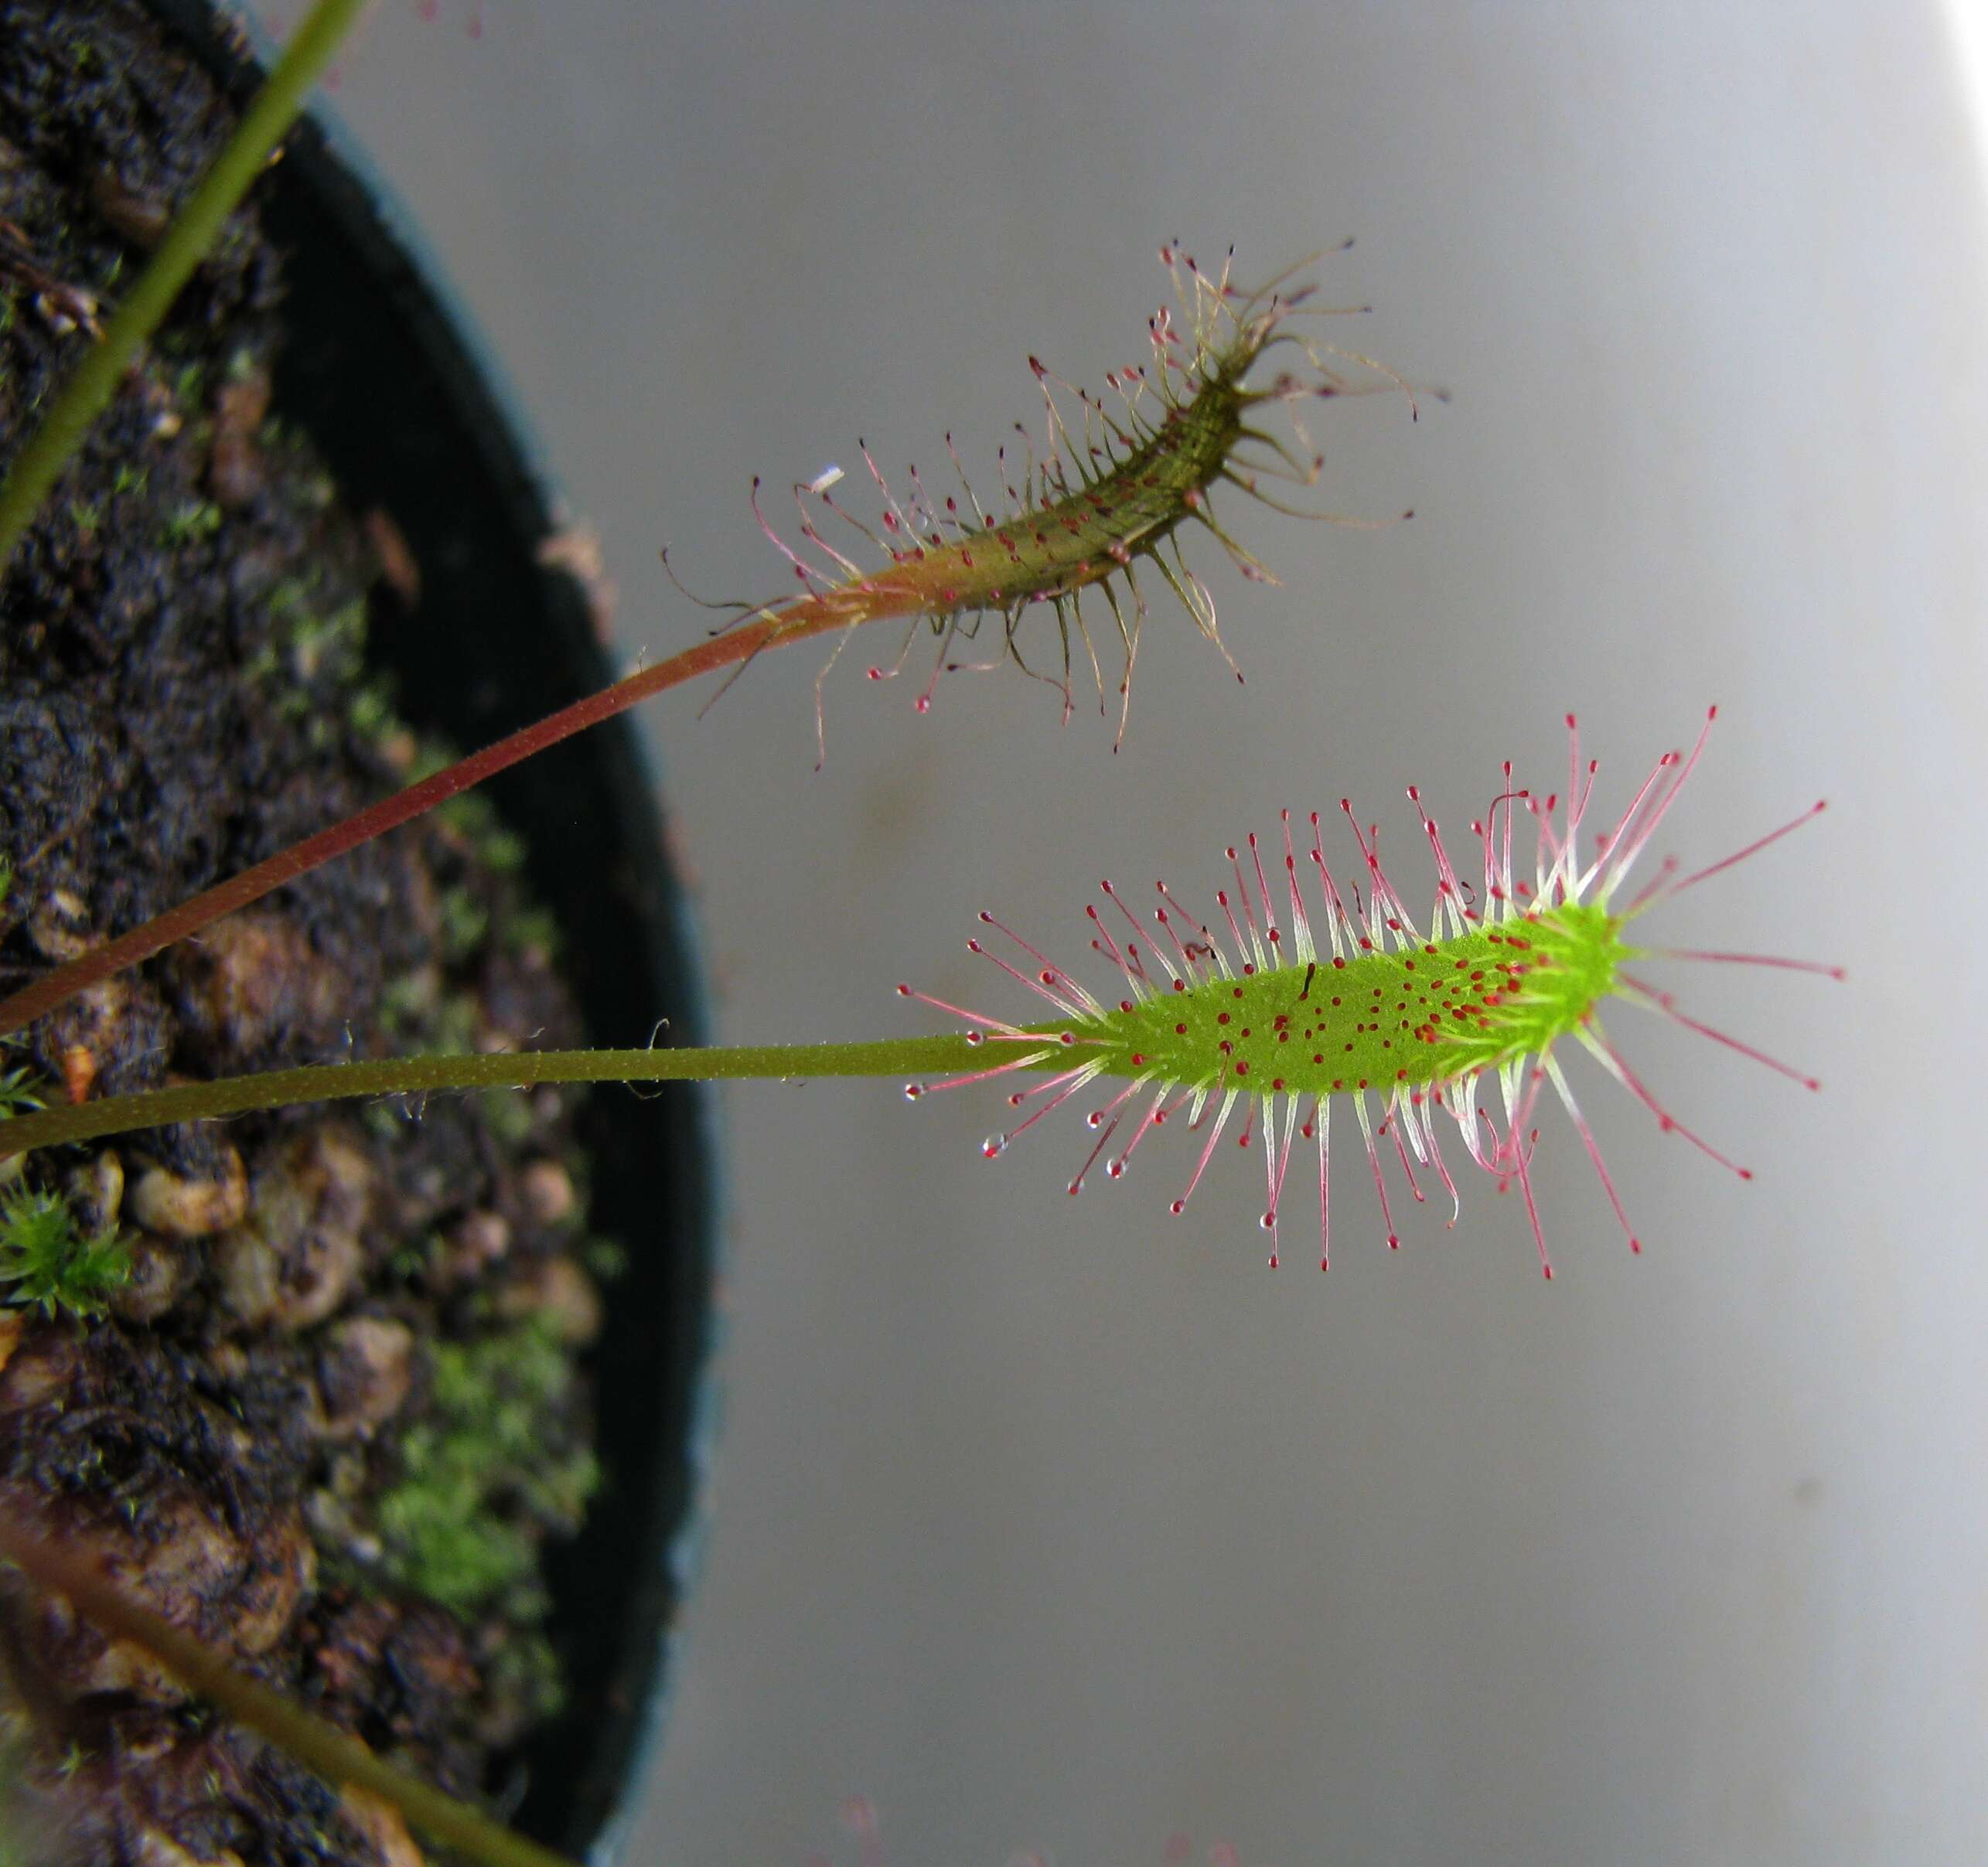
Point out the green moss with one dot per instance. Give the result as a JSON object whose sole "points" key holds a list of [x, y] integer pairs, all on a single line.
{"points": [[331, 646], [262, 665], [292, 593], [525, 1668], [431, 757], [194, 518], [425, 1023], [508, 1114], [414, 1259], [465, 921], [532, 928], [487, 1474], [49, 1262], [469, 813], [501, 849], [406, 1001], [606, 1260], [371, 713], [458, 1020], [19, 1089], [444, 1542]]}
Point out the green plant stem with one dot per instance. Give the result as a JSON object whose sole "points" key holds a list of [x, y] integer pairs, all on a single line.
{"points": [[340, 1759], [194, 230], [417, 1075]]}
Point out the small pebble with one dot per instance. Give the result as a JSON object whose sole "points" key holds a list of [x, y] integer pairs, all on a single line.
{"points": [[365, 1370], [235, 470], [96, 1191], [547, 1189], [140, 219], [160, 1269], [561, 1292], [161, 1201]]}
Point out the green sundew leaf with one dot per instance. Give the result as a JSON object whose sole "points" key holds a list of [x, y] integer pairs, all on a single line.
{"points": [[1290, 1013]]}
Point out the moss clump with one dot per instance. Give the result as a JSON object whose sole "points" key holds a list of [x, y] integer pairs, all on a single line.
{"points": [[477, 1490], [49, 1262], [190, 520]]}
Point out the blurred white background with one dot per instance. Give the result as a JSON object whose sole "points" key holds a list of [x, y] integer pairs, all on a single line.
{"points": [[1068, 1524]]}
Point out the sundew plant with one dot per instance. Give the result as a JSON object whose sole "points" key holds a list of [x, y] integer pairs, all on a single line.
{"points": [[1435, 1019]]}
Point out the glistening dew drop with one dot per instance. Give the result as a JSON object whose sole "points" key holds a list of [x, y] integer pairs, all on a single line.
{"points": [[1275, 1017]]}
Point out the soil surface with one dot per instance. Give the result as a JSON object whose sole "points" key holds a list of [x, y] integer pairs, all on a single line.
{"points": [[326, 1412]]}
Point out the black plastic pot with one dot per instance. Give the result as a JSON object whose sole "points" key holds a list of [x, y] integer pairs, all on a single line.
{"points": [[377, 369]]}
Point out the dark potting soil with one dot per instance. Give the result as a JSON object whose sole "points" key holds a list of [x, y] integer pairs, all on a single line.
{"points": [[330, 1415]]}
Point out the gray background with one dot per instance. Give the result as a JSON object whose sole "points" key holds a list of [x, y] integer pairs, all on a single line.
{"points": [[1066, 1525]]}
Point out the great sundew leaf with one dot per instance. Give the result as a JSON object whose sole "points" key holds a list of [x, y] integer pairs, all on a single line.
{"points": [[1285, 1014], [1110, 487]]}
